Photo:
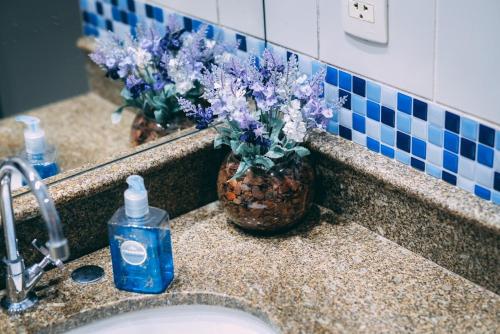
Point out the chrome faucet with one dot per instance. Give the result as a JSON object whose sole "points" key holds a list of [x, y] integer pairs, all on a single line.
{"points": [[20, 280]]}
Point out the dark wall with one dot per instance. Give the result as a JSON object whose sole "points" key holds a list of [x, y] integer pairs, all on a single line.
{"points": [[39, 61]]}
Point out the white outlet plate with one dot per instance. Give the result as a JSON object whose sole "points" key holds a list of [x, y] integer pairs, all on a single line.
{"points": [[366, 19]]}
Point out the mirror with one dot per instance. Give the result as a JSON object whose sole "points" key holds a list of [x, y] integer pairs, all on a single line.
{"points": [[73, 100]]}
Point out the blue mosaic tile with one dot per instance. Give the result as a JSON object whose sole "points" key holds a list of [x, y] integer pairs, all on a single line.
{"points": [[373, 91], [333, 127], [358, 86], [347, 103], [418, 148], [358, 104], [495, 197], [403, 141], [149, 11], [331, 76], [345, 80], [435, 135], [433, 171], [387, 116], [452, 122], [417, 164], [404, 103], [435, 115], [451, 141], [420, 109], [434, 154], [466, 168], [387, 135], [387, 151], [482, 192], [419, 128], [469, 128], [188, 23], [372, 144], [99, 8], [468, 149], [158, 14], [242, 42], [485, 155], [373, 110], [403, 122], [486, 135], [450, 161], [373, 129], [345, 132], [450, 178], [496, 181], [403, 157], [497, 140], [131, 5], [358, 123]]}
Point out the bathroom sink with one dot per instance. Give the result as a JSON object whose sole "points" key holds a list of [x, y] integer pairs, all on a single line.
{"points": [[182, 319]]}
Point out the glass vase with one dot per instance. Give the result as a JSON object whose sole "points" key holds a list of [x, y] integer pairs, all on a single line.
{"points": [[266, 201], [145, 129]]}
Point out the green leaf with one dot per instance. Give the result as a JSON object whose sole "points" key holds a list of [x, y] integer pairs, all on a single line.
{"points": [[220, 140], [159, 116], [301, 151], [264, 162], [275, 152]]}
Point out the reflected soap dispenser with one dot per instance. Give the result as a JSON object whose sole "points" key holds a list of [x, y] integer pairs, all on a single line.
{"points": [[140, 243], [37, 152]]}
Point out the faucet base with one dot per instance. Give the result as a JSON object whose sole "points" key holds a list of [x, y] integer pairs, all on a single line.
{"points": [[19, 307]]}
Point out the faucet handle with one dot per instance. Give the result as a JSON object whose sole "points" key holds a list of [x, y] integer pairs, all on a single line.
{"points": [[45, 252]]}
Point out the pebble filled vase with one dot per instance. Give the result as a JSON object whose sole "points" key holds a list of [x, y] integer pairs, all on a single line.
{"points": [[145, 129], [266, 201]]}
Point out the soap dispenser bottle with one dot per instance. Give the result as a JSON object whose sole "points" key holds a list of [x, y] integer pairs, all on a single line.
{"points": [[140, 244], [37, 152]]}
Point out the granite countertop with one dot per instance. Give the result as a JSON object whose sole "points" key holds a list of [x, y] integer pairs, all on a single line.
{"points": [[79, 127], [328, 275]]}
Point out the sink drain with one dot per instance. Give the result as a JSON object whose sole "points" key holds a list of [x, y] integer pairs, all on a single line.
{"points": [[87, 274]]}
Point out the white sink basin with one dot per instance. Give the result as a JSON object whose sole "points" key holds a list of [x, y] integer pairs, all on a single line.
{"points": [[182, 319]]}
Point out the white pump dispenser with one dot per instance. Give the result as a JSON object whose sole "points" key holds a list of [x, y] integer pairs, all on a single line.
{"points": [[136, 198], [34, 136]]}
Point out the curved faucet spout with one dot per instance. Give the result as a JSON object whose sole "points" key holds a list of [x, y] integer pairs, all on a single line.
{"points": [[20, 281], [57, 244]]}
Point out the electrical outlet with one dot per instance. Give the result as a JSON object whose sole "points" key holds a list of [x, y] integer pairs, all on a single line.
{"points": [[366, 19], [361, 10]]}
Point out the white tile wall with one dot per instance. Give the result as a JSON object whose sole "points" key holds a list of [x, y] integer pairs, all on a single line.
{"points": [[203, 9], [294, 24], [243, 15], [406, 62], [468, 56]]}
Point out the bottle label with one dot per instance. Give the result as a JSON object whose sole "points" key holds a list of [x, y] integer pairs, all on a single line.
{"points": [[133, 252]]}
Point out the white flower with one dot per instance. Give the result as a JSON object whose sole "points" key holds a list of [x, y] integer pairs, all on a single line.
{"points": [[295, 128], [141, 57], [327, 112]]}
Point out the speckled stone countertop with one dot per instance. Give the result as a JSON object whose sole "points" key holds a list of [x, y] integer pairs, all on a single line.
{"points": [[329, 275], [79, 127]]}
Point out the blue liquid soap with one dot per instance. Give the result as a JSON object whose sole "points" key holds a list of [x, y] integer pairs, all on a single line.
{"points": [[37, 152], [44, 164], [140, 243]]}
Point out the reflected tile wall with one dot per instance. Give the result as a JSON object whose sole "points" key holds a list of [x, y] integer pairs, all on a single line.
{"points": [[423, 135]]}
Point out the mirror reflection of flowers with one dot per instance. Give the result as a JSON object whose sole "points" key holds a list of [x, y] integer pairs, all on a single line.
{"points": [[267, 109], [157, 68]]}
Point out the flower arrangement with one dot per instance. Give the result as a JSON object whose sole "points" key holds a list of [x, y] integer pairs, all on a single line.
{"points": [[267, 109], [158, 68]]}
